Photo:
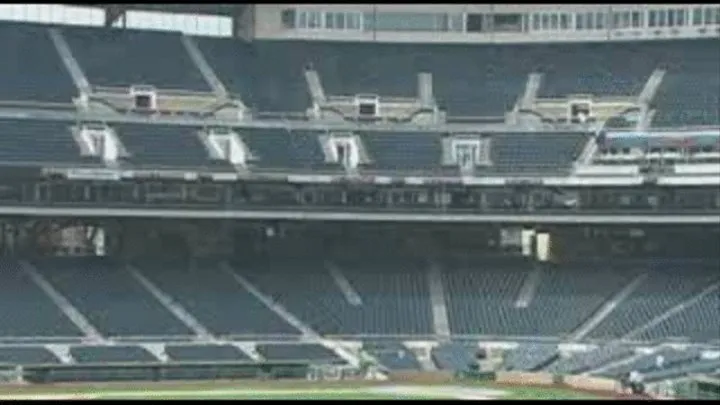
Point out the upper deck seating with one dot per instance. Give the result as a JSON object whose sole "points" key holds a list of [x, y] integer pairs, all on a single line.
{"points": [[31, 69], [122, 58]]}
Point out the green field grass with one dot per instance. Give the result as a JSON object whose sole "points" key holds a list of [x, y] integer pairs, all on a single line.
{"points": [[255, 390]]}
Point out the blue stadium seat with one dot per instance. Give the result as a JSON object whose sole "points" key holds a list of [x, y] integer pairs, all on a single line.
{"points": [[453, 356], [205, 352], [663, 289], [26, 355], [535, 152], [264, 77], [31, 69], [586, 361], [530, 356], [111, 354], [672, 358], [112, 300], [395, 298], [284, 149], [39, 141], [690, 92], [216, 300], [406, 151], [482, 297], [392, 354], [165, 146], [25, 310], [297, 352], [122, 58], [699, 322]]}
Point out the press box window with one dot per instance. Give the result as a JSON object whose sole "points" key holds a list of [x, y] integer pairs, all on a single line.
{"points": [[579, 112], [288, 17], [367, 106]]}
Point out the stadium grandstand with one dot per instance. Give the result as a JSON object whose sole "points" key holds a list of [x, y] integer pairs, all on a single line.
{"points": [[207, 191]]}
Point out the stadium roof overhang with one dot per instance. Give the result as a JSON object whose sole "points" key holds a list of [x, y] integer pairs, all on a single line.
{"points": [[114, 11]]}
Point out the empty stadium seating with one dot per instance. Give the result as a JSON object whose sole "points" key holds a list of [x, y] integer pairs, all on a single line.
{"points": [[39, 141], [284, 149], [663, 289], [590, 360], [122, 58], [165, 146], [475, 80], [700, 323], [26, 355], [483, 295], [410, 151], [31, 69], [604, 69], [690, 93], [264, 79], [672, 358], [535, 152], [392, 354], [453, 356], [25, 310], [113, 302], [683, 370], [216, 300], [205, 352], [110, 354], [530, 357], [297, 352], [394, 297]]}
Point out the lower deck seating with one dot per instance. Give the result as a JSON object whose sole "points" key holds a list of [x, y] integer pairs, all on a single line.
{"points": [[216, 300], [392, 355], [199, 352], [110, 298], [581, 362], [530, 357], [663, 289], [24, 141], [297, 352], [394, 298], [683, 370], [24, 355], [697, 323], [671, 358], [453, 356], [483, 297], [111, 354], [25, 310]]}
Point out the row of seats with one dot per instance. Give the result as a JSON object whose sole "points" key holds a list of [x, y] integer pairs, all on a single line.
{"points": [[268, 75], [394, 298], [380, 295], [27, 355], [664, 288], [672, 358], [530, 357], [582, 362], [393, 355], [483, 297], [168, 146], [453, 356]]}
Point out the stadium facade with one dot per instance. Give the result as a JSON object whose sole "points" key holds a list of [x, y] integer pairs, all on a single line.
{"points": [[413, 184]]}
